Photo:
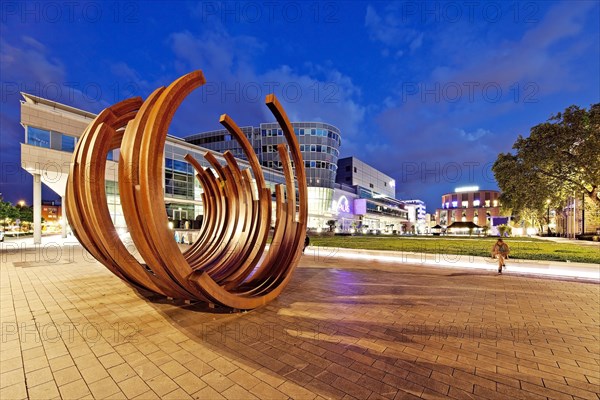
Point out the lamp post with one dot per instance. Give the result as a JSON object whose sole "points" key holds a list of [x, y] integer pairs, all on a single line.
{"points": [[21, 204], [548, 203]]}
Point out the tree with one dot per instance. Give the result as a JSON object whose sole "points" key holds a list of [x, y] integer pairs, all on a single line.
{"points": [[559, 158], [8, 212], [331, 223], [25, 213]]}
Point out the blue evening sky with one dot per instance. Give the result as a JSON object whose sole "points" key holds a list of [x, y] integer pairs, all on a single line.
{"points": [[427, 92]]}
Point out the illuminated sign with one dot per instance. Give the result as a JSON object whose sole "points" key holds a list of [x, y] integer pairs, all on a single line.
{"points": [[467, 189], [360, 206], [341, 205]]}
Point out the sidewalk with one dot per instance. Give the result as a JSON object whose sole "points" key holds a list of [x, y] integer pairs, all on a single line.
{"points": [[570, 241], [583, 271], [350, 324], [514, 266]]}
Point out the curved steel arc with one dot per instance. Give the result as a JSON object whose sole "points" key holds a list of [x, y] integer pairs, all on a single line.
{"points": [[227, 264]]}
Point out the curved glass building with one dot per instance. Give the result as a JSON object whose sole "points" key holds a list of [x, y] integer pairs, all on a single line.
{"points": [[319, 143]]}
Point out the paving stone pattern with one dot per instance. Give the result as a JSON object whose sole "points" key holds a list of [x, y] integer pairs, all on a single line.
{"points": [[340, 330]]}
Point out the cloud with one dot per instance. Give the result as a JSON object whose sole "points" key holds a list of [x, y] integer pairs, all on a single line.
{"points": [[416, 43], [474, 135], [309, 92], [389, 29], [429, 129], [29, 63]]}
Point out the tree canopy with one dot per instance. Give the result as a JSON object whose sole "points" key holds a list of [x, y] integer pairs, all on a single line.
{"points": [[559, 158], [10, 212]]}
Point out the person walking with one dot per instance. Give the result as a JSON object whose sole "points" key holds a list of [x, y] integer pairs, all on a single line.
{"points": [[500, 251]]}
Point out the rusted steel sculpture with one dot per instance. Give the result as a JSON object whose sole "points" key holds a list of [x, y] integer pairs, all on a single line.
{"points": [[227, 265]]}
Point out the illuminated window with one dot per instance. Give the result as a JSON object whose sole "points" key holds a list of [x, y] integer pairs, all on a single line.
{"points": [[465, 204], [68, 143], [476, 203], [38, 137], [487, 203], [495, 202], [455, 204]]}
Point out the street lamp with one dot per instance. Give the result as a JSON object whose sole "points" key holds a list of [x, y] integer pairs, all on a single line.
{"points": [[21, 203], [548, 203]]}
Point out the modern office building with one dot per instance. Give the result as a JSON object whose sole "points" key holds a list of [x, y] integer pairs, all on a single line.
{"points": [[416, 216], [375, 193], [51, 211], [334, 185], [354, 172], [319, 143], [469, 204], [51, 133], [366, 203]]}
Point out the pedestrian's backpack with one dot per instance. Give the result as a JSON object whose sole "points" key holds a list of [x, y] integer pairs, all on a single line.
{"points": [[503, 248]]}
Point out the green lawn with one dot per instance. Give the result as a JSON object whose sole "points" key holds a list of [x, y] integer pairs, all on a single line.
{"points": [[523, 248]]}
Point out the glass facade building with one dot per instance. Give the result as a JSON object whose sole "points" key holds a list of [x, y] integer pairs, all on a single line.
{"points": [[52, 130]]}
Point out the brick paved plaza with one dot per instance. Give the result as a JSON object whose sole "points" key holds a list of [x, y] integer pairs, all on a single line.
{"points": [[71, 329]]}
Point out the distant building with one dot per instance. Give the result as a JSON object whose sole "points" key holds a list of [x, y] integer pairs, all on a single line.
{"points": [[417, 216], [348, 191], [319, 145], [354, 172], [579, 216], [376, 207], [51, 211], [468, 204]]}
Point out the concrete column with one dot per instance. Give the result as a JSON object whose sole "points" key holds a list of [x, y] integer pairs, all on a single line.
{"points": [[37, 208], [63, 213]]}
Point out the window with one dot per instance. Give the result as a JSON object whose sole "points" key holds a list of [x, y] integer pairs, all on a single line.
{"points": [[38, 137], [348, 168], [301, 132], [465, 203], [384, 183], [371, 185], [313, 147], [355, 170], [68, 143]]}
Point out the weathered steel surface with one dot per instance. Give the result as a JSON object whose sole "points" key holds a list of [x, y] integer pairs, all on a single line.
{"points": [[227, 264]]}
